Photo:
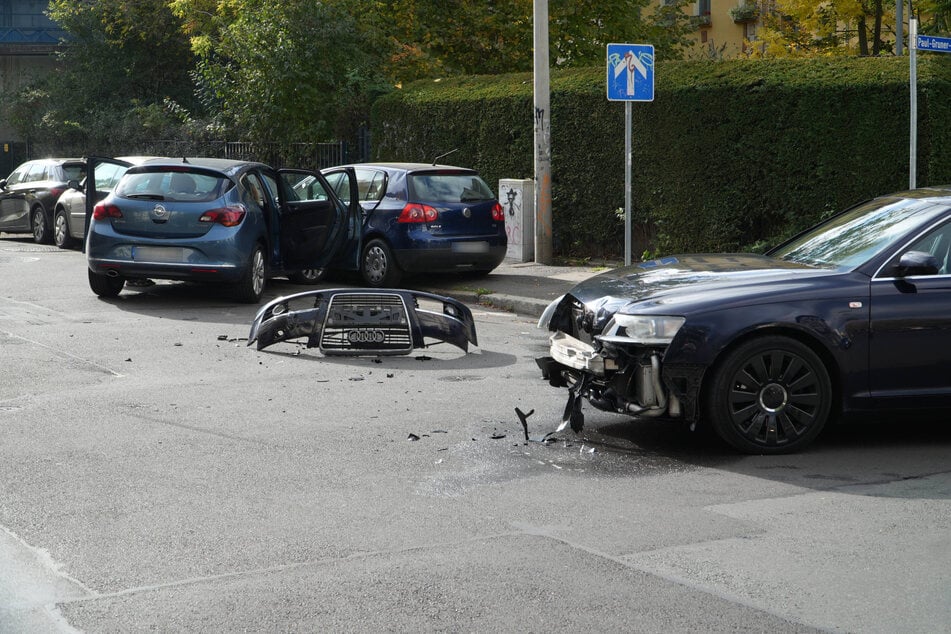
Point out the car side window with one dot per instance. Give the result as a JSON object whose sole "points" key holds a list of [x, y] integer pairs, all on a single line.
{"points": [[37, 173], [254, 191], [17, 175], [937, 242], [340, 185], [370, 184], [304, 187]]}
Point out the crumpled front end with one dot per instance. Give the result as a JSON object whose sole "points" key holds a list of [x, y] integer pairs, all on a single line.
{"points": [[357, 322], [615, 360]]}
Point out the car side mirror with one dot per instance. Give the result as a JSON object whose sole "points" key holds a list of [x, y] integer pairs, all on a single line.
{"points": [[917, 263], [3, 183], [73, 184]]}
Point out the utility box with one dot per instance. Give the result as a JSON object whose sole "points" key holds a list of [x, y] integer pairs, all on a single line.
{"points": [[517, 198]]}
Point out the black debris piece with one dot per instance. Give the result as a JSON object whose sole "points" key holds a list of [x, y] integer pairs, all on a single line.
{"points": [[523, 418], [423, 357], [497, 436], [222, 337], [412, 437]]}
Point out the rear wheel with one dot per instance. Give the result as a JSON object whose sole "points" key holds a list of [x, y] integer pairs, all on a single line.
{"points": [[377, 265], [61, 236], [307, 276], [251, 287], [105, 286], [41, 228], [771, 395]]}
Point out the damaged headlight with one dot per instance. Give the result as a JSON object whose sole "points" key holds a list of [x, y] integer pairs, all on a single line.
{"points": [[654, 330]]}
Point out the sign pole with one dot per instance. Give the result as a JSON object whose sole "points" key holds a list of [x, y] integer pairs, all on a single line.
{"points": [[627, 183], [630, 77], [913, 107]]}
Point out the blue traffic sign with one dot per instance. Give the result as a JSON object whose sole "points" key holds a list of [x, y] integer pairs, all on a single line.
{"points": [[932, 43], [630, 72]]}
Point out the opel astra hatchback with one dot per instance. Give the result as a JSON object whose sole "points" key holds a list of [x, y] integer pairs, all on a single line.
{"points": [[214, 220], [420, 218]]}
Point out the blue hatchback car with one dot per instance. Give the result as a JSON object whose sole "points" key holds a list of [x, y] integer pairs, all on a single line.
{"points": [[420, 218], [217, 220]]}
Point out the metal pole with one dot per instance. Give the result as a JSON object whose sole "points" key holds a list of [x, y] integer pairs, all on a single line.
{"points": [[543, 220], [913, 81], [627, 183]]}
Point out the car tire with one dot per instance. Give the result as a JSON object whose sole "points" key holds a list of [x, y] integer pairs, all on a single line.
{"points": [[307, 276], [61, 236], [251, 287], [105, 286], [42, 233], [771, 395], [378, 266]]}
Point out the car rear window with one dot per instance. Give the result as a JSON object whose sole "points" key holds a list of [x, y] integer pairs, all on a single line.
{"points": [[173, 185], [447, 187]]}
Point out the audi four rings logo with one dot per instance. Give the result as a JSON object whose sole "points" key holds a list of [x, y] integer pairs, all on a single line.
{"points": [[366, 336], [159, 211]]}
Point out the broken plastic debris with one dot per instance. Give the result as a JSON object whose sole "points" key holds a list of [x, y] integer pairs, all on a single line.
{"points": [[412, 437], [523, 418], [497, 436]]}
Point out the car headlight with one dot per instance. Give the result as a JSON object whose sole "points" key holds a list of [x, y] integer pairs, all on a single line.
{"points": [[641, 329]]}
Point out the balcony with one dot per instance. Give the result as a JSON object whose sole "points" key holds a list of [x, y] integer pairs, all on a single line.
{"points": [[701, 21], [745, 13]]}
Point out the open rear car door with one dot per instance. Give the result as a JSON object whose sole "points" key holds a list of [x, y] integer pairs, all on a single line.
{"points": [[316, 225]]}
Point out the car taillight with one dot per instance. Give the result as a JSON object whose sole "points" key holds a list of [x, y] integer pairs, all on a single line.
{"points": [[227, 216], [416, 212], [498, 214], [103, 211], [56, 191]]}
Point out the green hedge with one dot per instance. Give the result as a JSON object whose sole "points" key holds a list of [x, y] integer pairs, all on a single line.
{"points": [[728, 156]]}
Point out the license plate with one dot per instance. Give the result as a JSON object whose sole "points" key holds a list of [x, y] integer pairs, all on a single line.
{"points": [[470, 247], [158, 254]]}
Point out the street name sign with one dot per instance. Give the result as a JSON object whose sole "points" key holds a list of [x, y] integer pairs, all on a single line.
{"points": [[933, 43]]}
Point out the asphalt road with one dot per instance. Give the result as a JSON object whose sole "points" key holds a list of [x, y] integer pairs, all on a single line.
{"points": [[156, 474]]}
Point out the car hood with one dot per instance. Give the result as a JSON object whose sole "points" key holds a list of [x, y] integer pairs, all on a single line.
{"points": [[683, 282]]}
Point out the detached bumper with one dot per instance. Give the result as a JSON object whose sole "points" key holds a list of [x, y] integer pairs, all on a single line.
{"points": [[358, 322]]}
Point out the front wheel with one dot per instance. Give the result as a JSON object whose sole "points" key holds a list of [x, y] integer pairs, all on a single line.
{"points": [[251, 287], [105, 286], [41, 228], [61, 235], [771, 395], [378, 267]]}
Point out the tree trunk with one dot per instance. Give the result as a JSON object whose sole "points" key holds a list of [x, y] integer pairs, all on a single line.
{"points": [[863, 37], [877, 31]]}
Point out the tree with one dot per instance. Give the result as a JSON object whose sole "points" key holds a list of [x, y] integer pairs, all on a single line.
{"points": [[432, 38], [283, 71], [835, 27]]}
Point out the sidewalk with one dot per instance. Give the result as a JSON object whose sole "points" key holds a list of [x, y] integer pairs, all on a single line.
{"points": [[525, 288]]}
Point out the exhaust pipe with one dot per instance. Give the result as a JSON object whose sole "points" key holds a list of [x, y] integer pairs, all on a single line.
{"points": [[112, 273]]}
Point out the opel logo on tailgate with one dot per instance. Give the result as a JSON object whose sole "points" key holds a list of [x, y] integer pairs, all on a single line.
{"points": [[160, 213]]}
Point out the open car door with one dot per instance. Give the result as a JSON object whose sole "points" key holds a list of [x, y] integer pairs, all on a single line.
{"points": [[104, 171], [316, 225]]}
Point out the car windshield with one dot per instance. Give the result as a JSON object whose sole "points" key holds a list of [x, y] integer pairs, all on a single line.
{"points": [[855, 236], [172, 185], [448, 188], [74, 171]]}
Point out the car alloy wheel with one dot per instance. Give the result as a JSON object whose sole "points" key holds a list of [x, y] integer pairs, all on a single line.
{"points": [[41, 230], [251, 287], [61, 237], [308, 276], [770, 395]]}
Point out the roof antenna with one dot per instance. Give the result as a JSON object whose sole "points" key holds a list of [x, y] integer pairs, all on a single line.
{"points": [[184, 159], [442, 155]]}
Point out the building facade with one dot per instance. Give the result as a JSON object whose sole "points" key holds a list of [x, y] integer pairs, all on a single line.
{"points": [[724, 28], [29, 41]]}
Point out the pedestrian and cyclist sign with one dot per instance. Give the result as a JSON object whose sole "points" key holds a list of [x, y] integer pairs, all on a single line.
{"points": [[630, 72]]}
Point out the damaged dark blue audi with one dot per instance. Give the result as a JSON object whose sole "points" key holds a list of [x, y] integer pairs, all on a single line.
{"points": [[850, 316]]}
